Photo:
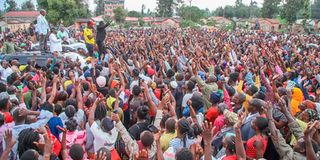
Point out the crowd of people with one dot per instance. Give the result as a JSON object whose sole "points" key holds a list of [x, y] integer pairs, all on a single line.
{"points": [[183, 94]]}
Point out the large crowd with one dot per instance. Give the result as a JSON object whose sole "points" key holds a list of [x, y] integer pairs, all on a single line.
{"points": [[164, 94]]}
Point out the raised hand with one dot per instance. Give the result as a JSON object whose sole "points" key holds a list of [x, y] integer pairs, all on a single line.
{"points": [[241, 118], [8, 138], [207, 131]]}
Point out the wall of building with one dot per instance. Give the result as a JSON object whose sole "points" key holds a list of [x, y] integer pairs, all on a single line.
{"points": [[110, 5]]}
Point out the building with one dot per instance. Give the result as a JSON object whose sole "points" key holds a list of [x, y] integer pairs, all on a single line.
{"points": [[110, 5], [21, 16], [266, 24], [15, 20], [166, 22]]}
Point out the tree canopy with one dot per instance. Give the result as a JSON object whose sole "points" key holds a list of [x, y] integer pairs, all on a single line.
{"points": [[28, 6], [290, 9], [67, 11], [239, 10], [99, 8], [10, 5], [192, 13], [270, 8], [166, 8], [119, 15], [134, 14]]}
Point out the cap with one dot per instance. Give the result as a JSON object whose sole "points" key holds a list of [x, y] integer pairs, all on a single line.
{"points": [[101, 81], [4, 95], [107, 124]]}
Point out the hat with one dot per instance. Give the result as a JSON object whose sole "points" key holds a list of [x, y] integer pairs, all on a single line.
{"points": [[4, 95], [22, 67], [101, 81], [212, 114], [107, 124], [215, 97], [110, 101], [230, 116], [87, 73], [173, 84]]}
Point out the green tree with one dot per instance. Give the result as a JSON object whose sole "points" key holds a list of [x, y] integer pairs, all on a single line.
{"points": [[10, 5], [290, 9], [228, 11], [192, 13], [119, 15], [27, 6], [219, 12], [143, 7], [67, 11], [133, 14], [270, 8], [165, 8], [306, 11], [315, 9], [141, 22], [43, 4], [99, 8]]}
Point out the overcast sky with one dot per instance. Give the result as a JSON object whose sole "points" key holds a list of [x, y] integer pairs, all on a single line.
{"points": [[211, 4]]}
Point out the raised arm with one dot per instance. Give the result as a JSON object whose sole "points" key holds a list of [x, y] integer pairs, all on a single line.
{"points": [[54, 89], [79, 95], [43, 80], [240, 151], [310, 130]]}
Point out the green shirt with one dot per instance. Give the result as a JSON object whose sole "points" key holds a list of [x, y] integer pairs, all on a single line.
{"points": [[9, 48]]}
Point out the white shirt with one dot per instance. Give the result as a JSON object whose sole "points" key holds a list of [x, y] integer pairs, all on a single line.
{"points": [[55, 43], [185, 99], [42, 26], [5, 73], [103, 139]]}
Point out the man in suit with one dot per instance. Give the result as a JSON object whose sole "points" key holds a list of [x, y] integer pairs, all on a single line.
{"points": [[100, 37], [43, 29]]}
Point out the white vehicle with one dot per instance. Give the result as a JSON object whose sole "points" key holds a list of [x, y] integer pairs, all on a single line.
{"points": [[65, 47], [74, 56]]}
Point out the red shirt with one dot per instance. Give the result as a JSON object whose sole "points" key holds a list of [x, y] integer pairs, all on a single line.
{"points": [[232, 157], [218, 123], [8, 117]]}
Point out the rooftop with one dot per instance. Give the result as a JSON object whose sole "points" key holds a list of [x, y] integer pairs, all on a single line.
{"points": [[22, 14]]}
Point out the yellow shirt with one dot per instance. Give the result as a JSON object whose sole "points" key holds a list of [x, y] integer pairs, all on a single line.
{"points": [[165, 140], [86, 33]]}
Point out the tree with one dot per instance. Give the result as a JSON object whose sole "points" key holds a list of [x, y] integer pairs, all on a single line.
{"points": [[315, 10], [133, 14], [43, 4], [192, 13], [141, 22], [99, 8], [28, 6], [228, 11], [219, 12], [270, 8], [10, 5], [119, 15], [143, 7], [165, 8], [67, 11], [290, 9], [306, 11]]}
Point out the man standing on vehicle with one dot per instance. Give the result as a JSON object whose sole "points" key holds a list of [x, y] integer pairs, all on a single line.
{"points": [[88, 34], [42, 28], [100, 37]]}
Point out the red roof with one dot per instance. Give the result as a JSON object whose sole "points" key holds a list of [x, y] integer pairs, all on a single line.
{"points": [[22, 14]]}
